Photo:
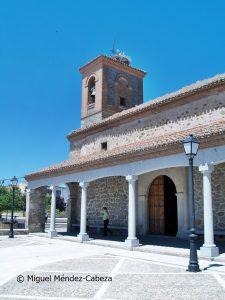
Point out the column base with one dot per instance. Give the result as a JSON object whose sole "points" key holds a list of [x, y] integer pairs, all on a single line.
{"points": [[183, 235], [131, 243], [83, 237], [209, 251], [52, 234]]}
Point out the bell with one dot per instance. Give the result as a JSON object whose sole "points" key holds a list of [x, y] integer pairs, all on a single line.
{"points": [[93, 92]]}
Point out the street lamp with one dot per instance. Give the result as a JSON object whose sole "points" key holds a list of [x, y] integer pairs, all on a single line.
{"points": [[191, 146], [14, 182]]}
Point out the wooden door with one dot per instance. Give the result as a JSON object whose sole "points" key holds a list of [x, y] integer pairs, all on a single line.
{"points": [[156, 206]]}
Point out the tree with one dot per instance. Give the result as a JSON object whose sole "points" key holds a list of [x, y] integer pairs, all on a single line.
{"points": [[6, 196], [4, 199]]}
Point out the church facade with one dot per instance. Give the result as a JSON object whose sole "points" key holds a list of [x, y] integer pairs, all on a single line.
{"points": [[128, 156]]}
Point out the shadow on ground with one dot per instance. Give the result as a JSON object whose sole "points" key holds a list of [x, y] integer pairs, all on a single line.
{"points": [[154, 240]]}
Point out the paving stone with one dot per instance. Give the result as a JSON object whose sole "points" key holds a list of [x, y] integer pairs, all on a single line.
{"points": [[52, 288], [83, 265], [132, 266], [166, 286]]}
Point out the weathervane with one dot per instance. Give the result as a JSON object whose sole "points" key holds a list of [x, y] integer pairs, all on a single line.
{"points": [[113, 50]]}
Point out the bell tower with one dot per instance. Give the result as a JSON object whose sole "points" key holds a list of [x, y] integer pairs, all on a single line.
{"points": [[109, 85]]}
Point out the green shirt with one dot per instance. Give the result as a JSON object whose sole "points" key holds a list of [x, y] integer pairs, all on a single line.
{"points": [[105, 215]]}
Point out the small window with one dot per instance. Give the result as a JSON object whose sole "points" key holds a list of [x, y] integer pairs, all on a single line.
{"points": [[104, 146], [122, 101]]}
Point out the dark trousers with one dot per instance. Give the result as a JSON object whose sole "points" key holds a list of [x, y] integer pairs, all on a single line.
{"points": [[106, 229]]}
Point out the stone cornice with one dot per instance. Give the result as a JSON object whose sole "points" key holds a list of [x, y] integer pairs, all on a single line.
{"points": [[109, 61]]}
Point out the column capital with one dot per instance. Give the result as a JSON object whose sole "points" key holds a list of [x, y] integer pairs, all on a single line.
{"points": [[206, 168], [131, 178], [53, 188], [83, 184], [179, 194]]}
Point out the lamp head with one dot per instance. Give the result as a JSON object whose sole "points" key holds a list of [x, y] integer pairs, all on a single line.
{"points": [[191, 145], [14, 181]]}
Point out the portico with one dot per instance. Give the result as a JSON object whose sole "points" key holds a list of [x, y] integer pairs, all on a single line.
{"points": [[138, 187]]}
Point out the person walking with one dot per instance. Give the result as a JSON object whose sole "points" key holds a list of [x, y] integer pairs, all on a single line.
{"points": [[105, 216], [46, 217]]}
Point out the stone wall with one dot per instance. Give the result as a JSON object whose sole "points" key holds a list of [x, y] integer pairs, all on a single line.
{"points": [[36, 214], [111, 77], [111, 192], [208, 109], [94, 118], [218, 194]]}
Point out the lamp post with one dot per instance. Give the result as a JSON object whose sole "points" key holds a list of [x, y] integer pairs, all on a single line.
{"points": [[191, 146], [14, 182]]}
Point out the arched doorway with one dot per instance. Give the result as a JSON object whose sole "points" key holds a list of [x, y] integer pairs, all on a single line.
{"points": [[162, 203]]}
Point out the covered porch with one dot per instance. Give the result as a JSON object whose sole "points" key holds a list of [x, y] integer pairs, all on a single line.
{"points": [[138, 178]]}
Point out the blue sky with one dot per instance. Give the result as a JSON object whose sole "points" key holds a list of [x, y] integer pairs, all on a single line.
{"points": [[43, 43]]}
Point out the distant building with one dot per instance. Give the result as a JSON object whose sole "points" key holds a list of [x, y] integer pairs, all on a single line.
{"points": [[22, 186]]}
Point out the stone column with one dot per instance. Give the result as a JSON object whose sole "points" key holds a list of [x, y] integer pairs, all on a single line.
{"points": [[186, 216], [208, 249], [27, 208], [83, 236], [132, 240], [52, 232], [180, 214]]}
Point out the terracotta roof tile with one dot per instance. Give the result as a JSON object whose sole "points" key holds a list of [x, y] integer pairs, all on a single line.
{"points": [[163, 140]]}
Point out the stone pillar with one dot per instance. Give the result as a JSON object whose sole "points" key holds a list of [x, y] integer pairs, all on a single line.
{"points": [[180, 214], [83, 236], [72, 206], [186, 203], [36, 210], [132, 240], [186, 216], [27, 208], [208, 249], [52, 232]]}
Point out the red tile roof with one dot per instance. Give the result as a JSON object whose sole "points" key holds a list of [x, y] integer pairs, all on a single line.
{"points": [[163, 142]]}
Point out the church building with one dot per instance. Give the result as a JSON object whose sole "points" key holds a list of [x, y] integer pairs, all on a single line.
{"points": [[128, 156]]}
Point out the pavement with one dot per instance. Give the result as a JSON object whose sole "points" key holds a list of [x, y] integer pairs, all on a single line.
{"points": [[169, 245], [36, 267]]}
